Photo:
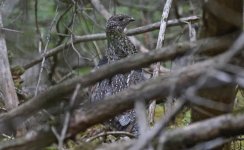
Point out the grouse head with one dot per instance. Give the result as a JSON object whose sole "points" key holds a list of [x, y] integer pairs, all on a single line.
{"points": [[117, 23]]}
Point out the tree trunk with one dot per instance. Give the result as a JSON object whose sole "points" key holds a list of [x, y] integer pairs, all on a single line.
{"points": [[220, 17], [7, 89]]}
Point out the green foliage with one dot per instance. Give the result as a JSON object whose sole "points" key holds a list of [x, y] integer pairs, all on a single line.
{"points": [[83, 70]]}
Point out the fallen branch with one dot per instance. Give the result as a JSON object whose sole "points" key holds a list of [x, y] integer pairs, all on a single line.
{"points": [[9, 121], [182, 138], [93, 114], [223, 126], [154, 88], [150, 89]]}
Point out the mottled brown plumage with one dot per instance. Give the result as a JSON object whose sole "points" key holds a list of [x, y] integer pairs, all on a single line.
{"points": [[119, 47]]}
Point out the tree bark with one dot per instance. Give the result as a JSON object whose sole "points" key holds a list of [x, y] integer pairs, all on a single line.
{"points": [[220, 17], [7, 88]]}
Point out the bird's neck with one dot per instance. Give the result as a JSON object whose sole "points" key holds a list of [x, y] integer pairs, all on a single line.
{"points": [[114, 35], [117, 45]]}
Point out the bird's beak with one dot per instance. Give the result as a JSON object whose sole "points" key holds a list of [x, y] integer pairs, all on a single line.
{"points": [[131, 19]]}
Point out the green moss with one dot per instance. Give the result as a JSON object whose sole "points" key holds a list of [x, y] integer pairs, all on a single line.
{"points": [[182, 119], [239, 104], [52, 147], [17, 70], [159, 112]]}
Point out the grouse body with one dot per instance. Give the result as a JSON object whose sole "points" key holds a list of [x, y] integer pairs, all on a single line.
{"points": [[119, 47]]}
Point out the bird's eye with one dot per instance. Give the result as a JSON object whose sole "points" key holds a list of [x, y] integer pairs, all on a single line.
{"points": [[121, 19]]}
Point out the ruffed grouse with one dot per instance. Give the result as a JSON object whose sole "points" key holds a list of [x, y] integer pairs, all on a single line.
{"points": [[119, 47]]}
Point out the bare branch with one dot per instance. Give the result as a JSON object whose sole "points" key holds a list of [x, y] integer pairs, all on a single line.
{"points": [[38, 32], [227, 125], [45, 51], [215, 129], [100, 8], [67, 117], [102, 36], [137, 61], [156, 26], [161, 35], [155, 88]]}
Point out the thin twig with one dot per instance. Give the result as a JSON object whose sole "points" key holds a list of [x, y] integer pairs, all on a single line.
{"points": [[62, 35], [36, 23], [11, 30], [72, 38], [68, 115], [161, 36], [44, 52]]}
